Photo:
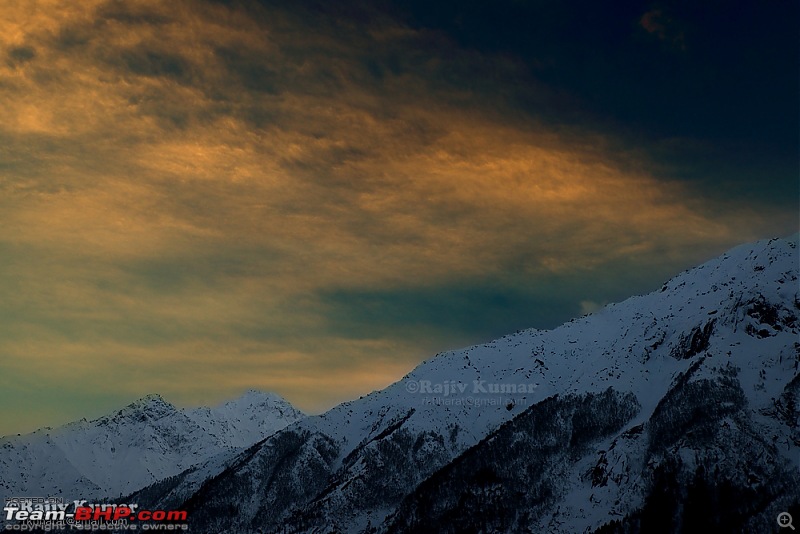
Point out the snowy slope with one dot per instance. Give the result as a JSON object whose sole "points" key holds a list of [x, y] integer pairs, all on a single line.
{"points": [[246, 420], [146, 441], [350, 468]]}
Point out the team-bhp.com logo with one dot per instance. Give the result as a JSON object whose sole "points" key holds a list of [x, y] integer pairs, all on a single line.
{"points": [[53, 514]]}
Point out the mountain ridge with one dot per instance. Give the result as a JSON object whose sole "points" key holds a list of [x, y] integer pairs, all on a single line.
{"points": [[726, 328]]}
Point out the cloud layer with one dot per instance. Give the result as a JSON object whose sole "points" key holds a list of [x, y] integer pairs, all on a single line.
{"points": [[198, 198]]}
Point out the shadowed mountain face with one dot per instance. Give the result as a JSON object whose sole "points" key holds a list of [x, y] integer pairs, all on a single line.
{"points": [[663, 413], [699, 462]]}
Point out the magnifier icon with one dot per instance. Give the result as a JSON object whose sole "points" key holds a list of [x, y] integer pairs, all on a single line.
{"points": [[785, 520]]}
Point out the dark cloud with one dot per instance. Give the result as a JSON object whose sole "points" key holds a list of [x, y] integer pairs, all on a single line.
{"points": [[734, 86], [19, 55], [250, 69], [664, 28], [130, 14], [73, 37], [147, 62], [471, 310]]}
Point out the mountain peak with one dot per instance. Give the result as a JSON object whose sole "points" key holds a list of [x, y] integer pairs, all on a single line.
{"points": [[255, 396], [150, 400]]}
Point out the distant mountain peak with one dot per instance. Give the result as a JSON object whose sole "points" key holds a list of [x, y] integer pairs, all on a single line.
{"points": [[151, 405], [152, 399], [257, 396], [143, 442]]}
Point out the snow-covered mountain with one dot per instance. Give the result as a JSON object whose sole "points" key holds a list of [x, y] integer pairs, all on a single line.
{"points": [[146, 441], [665, 411]]}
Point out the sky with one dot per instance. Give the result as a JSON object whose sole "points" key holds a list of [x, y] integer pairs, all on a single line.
{"points": [[200, 197]]}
